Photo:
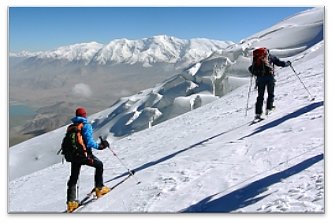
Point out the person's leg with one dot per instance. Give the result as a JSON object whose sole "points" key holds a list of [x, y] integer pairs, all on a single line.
{"points": [[98, 165], [100, 189], [261, 91], [71, 184], [270, 91]]}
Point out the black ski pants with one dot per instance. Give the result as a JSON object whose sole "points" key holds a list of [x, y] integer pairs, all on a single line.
{"points": [[263, 82], [75, 172]]}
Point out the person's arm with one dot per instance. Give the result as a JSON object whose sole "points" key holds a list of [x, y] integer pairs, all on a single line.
{"points": [[251, 69], [279, 62], [87, 134]]}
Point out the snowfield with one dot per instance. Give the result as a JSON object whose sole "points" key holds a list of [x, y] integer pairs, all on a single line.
{"points": [[203, 157]]}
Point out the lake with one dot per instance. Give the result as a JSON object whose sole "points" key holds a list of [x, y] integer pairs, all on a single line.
{"points": [[19, 113]]}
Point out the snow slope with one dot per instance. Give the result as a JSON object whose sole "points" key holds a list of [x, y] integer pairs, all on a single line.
{"points": [[210, 160], [206, 160], [198, 85]]}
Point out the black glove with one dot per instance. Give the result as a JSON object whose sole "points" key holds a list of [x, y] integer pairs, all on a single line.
{"points": [[103, 144], [90, 160], [288, 63]]}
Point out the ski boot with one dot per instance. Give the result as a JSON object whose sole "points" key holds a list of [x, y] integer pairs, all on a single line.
{"points": [[72, 205], [100, 191], [269, 111], [258, 117]]}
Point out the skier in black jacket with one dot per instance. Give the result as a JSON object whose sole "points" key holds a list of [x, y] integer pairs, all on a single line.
{"points": [[265, 79]]}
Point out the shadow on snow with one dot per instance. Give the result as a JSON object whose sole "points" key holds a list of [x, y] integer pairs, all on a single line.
{"points": [[272, 124], [279, 121], [152, 163], [249, 194]]}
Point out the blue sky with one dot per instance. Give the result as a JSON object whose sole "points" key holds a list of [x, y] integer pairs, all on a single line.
{"points": [[46, 28]]}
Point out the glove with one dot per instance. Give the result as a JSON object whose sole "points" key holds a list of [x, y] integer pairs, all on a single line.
{"points": [[288, 63], [90, 161], [103, 144]]}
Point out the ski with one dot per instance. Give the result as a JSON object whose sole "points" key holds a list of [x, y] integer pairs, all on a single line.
{"points": [[255, 121], [90, 197], [82, 203]]}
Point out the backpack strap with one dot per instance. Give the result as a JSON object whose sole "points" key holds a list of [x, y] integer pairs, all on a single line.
{"points": [[80, 138]]}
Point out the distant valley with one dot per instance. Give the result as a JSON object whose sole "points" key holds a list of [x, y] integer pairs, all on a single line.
{"points": [[94, 76]]}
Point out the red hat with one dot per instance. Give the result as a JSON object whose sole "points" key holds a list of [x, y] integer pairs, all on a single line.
{"points": [[81, 112]]}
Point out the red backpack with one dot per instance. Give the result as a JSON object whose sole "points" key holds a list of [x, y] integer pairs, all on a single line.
{"points": [[260, 56], [260, 64]]}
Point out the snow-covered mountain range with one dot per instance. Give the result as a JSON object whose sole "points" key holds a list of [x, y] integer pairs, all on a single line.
{"points": [[190, 144], [148, 51]]}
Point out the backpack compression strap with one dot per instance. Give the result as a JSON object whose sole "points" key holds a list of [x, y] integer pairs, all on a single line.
{"points": [[79, 136], [80, 139]]}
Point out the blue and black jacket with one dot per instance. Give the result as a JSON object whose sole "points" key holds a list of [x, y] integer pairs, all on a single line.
{"points": [[87, 133]]}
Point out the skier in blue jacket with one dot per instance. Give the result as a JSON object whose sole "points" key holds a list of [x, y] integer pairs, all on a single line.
{"points": [[93, 161]]}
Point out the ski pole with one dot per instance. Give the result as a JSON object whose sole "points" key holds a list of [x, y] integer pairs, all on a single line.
{"points": [[248, 96], [312, 98], [78, 188], [122, 163]]}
